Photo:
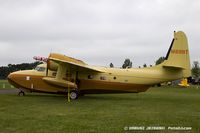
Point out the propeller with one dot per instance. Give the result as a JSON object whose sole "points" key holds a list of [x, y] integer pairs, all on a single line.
{"points": [[48, 63], [47, 72]]}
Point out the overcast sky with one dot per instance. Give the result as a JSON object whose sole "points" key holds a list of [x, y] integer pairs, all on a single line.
{"points": [[96, 31]]}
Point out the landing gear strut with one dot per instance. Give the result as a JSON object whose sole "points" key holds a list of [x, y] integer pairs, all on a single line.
{"points": [[21, 93]]}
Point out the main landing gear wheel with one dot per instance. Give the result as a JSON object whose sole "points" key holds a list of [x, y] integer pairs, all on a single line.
{"points": [[21, 93], [73, 95]]}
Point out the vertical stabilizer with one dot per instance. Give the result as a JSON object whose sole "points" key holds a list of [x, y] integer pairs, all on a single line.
{"points": [[178, 54]]}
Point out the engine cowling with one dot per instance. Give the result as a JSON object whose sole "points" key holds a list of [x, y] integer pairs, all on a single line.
{"points": [[54, 66]]}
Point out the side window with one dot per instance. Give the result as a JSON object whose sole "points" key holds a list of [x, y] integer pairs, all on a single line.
{"points": [[40, 69], [102, 78], [90, 77], [37, 68], [54, 74]]}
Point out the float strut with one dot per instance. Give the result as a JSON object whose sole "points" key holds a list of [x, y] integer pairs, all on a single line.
{"points": [[68, 96]]}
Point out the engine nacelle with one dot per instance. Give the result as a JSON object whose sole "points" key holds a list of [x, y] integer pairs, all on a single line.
{"points": [[54, 66], [51, 65]]}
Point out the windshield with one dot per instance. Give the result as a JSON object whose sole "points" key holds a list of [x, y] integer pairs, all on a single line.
{"points": [[40, 69]]}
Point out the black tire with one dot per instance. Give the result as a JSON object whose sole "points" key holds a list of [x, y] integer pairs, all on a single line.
{"points": [[21, 93], [158, 85], [73, 95]]}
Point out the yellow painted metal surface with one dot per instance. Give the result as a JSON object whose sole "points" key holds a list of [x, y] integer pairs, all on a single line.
{"points": [[184, 83], [94, 79]]}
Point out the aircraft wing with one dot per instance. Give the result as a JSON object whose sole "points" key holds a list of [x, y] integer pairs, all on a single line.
{"points": [[71, 63]]}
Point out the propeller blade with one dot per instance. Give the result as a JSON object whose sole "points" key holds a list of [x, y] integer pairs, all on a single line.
{"points": [[47, 71]]}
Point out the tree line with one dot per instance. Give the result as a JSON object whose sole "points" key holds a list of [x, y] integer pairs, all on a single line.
{"points": [[6, 70], [128, 63]]}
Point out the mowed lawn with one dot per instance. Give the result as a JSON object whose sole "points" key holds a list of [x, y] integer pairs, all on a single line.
{"points": [[5, 85], [159, 106]]}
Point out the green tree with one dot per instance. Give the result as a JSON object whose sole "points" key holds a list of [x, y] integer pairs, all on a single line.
{"points": [[127, 64], [145, 65], [160, 60], [195, 69]]}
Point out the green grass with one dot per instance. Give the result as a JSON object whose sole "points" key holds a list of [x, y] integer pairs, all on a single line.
{"points": [[5, 85], [164, 106]]}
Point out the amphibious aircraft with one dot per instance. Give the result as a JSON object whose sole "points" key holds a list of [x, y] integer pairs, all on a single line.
{"points": [[63, 74]]}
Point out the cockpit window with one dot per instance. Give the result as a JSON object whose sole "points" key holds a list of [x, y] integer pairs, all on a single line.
{"points": [[40, 69]]}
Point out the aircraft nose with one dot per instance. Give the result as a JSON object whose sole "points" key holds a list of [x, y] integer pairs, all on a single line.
{"points": [[10, 76], [12, 79]]}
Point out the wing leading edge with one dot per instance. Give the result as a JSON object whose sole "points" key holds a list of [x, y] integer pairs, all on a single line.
{"points": [[70, 63]]}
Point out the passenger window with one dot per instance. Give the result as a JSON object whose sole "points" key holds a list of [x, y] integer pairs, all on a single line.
{"points": [[90, 77], [54, 74], [102, 78]]}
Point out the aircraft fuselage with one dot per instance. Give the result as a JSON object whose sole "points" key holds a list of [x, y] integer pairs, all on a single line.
{"points": [[112, 80]]}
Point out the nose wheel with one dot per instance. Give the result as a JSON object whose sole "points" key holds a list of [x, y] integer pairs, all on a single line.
{"points": [[21, 93]]}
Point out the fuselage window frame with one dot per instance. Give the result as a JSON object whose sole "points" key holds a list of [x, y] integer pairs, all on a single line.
{"points": [[90, 77], [102, 78]]}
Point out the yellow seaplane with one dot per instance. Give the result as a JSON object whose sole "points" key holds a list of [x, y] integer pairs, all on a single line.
{"points": [[63, 74]]}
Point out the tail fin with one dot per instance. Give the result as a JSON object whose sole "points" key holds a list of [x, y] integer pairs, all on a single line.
{"points": [[178, 54]]}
